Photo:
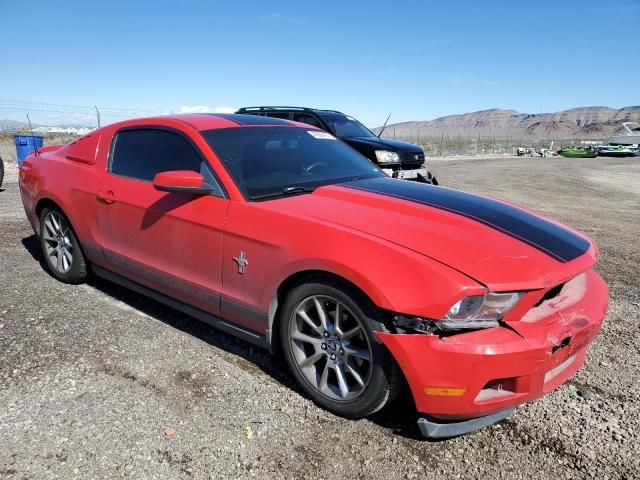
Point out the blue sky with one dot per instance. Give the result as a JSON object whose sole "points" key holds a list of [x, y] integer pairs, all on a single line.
{"points": [[416, 59]]}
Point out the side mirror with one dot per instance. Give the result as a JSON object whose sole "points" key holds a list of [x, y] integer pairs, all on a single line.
{"points": [[181, 181]]}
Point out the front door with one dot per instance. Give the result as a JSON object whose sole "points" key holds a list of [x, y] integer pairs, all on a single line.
{"points": [[170, 242]]}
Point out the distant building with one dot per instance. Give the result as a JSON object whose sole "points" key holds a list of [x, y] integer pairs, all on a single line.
{"points": [[65, 130]]}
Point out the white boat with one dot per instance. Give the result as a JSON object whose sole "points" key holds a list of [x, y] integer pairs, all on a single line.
{"points": [[628, 135], [617, 151]]}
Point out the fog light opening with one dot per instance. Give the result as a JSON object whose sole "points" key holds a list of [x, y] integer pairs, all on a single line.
{"points": [[554, 372], [498, 388]]}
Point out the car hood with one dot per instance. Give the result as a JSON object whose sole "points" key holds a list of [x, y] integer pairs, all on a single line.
{"points": [[495, 243], [383, 144]]}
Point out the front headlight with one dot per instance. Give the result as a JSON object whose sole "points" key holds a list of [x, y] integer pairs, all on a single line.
{"points": [[479, 311], [385, 156]]}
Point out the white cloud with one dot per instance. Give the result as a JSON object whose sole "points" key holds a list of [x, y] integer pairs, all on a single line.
{"points": [[224, 110], [194, 109], [205, 109]]}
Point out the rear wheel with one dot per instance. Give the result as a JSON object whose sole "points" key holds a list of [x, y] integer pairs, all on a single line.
{"points": [[60, 248], [329, 343], [1, 171]]}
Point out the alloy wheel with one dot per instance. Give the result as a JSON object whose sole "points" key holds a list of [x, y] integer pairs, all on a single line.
{"points": [[57, 240], [330, 347]]}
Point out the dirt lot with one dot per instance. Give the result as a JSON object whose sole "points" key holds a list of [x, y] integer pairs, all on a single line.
{"points": [[91, 377]]}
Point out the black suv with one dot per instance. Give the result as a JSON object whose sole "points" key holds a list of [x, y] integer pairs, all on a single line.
{"points": [[397, 159]]}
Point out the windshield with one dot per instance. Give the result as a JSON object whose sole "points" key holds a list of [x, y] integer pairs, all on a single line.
{"points": [[344, 126], [277, 161]]}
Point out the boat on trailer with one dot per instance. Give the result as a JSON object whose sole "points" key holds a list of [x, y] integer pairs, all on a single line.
{"points": [[629, 134], [617, 151], [578, 152]]}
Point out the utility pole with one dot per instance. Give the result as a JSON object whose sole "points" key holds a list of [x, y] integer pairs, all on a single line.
{"points": [[97, 114]]}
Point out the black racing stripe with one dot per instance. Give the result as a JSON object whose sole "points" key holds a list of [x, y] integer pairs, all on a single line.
{"points": [[242, 119], [541, 234]]}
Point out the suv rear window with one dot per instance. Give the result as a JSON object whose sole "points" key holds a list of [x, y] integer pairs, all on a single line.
{"points": [[306, 118], [284, 115]]}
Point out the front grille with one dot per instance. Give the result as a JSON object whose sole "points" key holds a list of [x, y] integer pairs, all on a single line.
{"points": [[412, 158]]}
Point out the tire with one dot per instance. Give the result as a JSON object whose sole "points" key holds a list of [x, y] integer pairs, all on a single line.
{"points": [[1, 171], [60, 248], [327, 357]]}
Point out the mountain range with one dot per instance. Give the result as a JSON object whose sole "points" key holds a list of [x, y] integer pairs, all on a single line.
{"points": [[587, 123], [583, 123]]}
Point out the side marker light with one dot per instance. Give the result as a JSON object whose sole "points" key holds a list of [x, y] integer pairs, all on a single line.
{"points": [[450, 392]]}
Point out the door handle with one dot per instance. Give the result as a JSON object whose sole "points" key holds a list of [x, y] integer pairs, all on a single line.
{"points": [[106, 197]]}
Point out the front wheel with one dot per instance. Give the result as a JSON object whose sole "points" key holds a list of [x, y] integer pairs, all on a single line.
{"points": [[60, 248], [331, 349], [1, 171]]}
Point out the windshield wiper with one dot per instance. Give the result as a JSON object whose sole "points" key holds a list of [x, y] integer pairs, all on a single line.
{"points": [[284, 192]]}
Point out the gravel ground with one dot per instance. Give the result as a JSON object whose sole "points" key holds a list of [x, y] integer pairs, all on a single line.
{"points": [[96, 382]]}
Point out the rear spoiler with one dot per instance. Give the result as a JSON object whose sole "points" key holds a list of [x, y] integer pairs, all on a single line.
{"points": [[71, 156], [48, 148]]}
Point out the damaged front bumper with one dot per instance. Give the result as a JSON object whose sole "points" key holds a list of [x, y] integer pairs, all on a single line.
{"points": [[469, 380]]}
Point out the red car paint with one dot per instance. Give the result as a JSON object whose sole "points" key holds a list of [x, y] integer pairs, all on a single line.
{"points": [[186, 179], [407, 258]]}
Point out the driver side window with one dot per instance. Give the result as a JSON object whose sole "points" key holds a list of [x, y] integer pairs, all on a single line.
{"points": [[141, 153]]}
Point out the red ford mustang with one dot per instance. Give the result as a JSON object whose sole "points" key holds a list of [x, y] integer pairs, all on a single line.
{"points": [[283, 235]]}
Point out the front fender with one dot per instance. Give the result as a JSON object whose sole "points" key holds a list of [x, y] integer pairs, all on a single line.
{"points": [[278, 245], [394, 278]]}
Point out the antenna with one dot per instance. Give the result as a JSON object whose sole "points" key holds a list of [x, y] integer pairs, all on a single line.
{"points": [[97, 114], [384, 126], [35, 147]]}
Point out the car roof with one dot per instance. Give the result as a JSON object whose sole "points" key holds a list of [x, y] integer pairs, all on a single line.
{"points": [[210, 121], [284, 108]]}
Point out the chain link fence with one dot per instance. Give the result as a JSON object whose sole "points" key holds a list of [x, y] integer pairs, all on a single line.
{"points": [[15, 115], [458, 144]]}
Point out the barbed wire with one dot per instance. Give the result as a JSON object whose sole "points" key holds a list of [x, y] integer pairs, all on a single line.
{"points": [[61, 114], [66, 107]]}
